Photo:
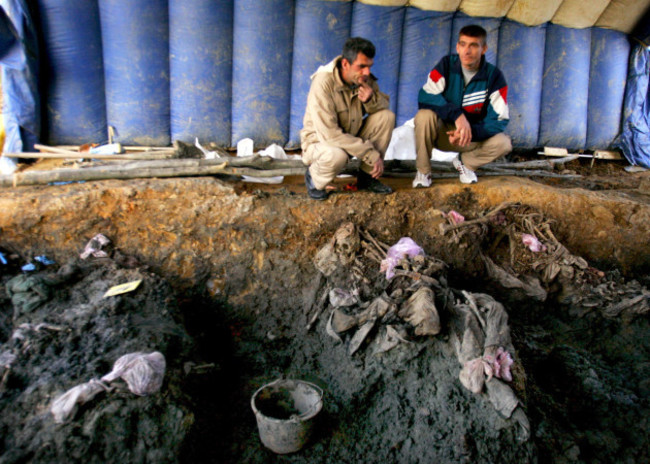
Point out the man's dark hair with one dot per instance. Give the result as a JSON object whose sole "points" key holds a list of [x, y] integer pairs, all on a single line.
{"points": [[475, 31], [355, 45]]}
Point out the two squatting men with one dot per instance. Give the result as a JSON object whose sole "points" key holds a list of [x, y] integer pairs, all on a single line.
{"points": [[462, 108]]}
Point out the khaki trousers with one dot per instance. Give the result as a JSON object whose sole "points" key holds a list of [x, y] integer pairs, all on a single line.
{"points": [[431, 131], [326, 161]]}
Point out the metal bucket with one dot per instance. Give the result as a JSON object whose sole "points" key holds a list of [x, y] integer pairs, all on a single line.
{"points": [[286, 411]]}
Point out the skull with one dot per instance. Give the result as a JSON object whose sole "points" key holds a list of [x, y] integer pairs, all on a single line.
{"points": [[347, 243]]}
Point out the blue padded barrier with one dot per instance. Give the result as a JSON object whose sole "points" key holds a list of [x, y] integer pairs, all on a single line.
{"points": [[261, 81], [491, 26], [321, 29], [577, 104], [21, 100], [521, 59], [73, 73], [610, 51], [9, 40], [200, 69], [635, 136], [565, 88], [382, 25], [425, 42], [135, 37]]}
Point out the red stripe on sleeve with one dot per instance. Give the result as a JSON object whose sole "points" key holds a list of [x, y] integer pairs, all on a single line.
{"points": [[434, 75], [504, 93]]}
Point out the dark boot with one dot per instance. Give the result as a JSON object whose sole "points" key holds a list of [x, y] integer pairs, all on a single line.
{"points": [[366, 182], [312, 191]]}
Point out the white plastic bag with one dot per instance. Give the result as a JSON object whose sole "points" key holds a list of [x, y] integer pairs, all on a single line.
{"points": [[402, 145], [402, 142], [245, 147], [142, 372], [207, 154], [274, 151]]}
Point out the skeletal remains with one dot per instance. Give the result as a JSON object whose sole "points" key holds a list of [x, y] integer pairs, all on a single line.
{"points": [[408, 305], [408, 299]]}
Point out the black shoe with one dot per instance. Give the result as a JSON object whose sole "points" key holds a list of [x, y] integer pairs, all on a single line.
{"points": [[312, 191], [366, 182]]}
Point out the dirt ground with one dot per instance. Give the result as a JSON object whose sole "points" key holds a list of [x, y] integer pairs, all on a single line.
{"points": [[239, 261]]}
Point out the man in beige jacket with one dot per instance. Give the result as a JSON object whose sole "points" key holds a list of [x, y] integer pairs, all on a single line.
{"points": [[346, 116]]}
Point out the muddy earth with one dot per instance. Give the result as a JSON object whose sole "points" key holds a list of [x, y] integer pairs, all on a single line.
{"points": [[235, 293]]}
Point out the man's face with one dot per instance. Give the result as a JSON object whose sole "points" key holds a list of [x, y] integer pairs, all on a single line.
{"points": [[356, 73], [470, 50]]}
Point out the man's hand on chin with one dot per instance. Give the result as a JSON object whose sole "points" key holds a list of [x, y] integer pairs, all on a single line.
{"points": [[365, 91]]}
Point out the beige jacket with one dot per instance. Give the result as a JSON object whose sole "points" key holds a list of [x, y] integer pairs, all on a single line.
{"points": [[334, 113]]}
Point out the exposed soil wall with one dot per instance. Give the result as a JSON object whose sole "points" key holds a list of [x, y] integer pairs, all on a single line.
{"points": [[202, 230]]}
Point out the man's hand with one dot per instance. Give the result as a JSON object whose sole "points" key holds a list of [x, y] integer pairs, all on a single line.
{"points": [[377, 169], [365, 91], [462, 136]]}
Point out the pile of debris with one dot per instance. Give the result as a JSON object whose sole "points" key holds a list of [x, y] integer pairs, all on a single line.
{"points": [[519, 252], [411, 299], [375, 297]]}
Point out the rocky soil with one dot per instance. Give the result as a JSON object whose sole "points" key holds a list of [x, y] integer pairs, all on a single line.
{"points": [[229, 286]]}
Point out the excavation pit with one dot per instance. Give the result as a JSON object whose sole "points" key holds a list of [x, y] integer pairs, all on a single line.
{"points": [[237, 287]]}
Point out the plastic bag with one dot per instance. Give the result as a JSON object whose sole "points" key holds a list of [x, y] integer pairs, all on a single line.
{"points": [[402, 142], [274, 151], [142, 372], [245, 147], [96, 247], [455, 217], [405, 247], [532, 243]]}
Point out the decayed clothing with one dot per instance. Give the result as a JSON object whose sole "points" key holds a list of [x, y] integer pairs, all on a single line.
{"points": [[334, 118]]}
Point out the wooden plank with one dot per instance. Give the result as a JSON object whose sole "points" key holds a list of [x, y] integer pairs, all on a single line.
{"points": [[73, 155], [555, 151], [49, 149], [608, 154]]}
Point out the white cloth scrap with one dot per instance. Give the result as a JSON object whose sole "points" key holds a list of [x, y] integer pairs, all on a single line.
{"points": [[94, 247], [142, 372]]}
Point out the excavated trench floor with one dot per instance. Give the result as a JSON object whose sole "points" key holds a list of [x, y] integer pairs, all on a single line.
{"points": [[239, 258]]}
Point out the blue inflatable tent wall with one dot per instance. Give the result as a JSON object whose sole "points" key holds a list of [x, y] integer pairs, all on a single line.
{"points": [[222, 70]]}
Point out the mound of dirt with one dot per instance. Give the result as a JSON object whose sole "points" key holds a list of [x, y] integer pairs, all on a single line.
{"points": [[59, 331]]}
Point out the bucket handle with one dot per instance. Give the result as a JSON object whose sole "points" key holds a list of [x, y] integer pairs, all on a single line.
{"points": [[316, 387], [319, 390]]}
